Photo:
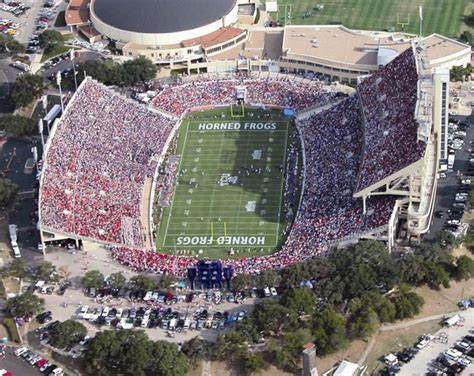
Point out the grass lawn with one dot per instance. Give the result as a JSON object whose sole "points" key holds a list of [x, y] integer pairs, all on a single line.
{"points": [[229, 184], [440, 16], [57, 51]]}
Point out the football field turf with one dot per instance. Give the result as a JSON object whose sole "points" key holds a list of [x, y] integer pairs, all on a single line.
{"points": [[229, 185], [439, 16]]}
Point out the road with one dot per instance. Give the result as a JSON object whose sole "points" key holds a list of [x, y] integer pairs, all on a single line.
{"points": [[447, 187], [407, 324]]}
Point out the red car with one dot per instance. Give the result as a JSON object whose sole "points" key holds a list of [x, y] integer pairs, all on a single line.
{"points": [[43, 19], [41, 362]]}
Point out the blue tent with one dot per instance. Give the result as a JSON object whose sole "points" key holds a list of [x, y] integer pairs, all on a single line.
{"points": [[288, 112]]}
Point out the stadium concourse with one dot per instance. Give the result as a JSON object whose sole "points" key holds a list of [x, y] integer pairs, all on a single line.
{"points": [[98, 159]]}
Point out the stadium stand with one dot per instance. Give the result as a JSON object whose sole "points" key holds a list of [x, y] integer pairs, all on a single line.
{"points": [[388, 100], [96, 165], [97, 162], [282, 93]]}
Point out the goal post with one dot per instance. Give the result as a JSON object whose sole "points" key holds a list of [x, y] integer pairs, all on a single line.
{"points": [[237, 111]]}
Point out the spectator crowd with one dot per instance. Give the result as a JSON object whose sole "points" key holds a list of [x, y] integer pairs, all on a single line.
{"points": [[388, 100], [105, 147], [177, 99]]}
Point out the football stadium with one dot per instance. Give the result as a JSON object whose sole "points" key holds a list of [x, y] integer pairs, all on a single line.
{"points": [[258, 171]]}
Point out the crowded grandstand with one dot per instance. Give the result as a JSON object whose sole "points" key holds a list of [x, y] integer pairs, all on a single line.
{"points": [[105, 147]]}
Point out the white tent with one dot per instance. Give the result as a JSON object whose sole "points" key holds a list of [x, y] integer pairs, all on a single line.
{"points": [[452, 320], [271, 6]]}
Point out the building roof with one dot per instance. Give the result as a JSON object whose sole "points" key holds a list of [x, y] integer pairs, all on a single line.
{"points": [[346, 369], [77, 16], [260, 44], [89, 31], [356, 48], [217, 37], [161, 16], [78, 3], [438, 46]]}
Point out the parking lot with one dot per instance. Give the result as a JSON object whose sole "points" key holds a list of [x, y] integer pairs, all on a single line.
{"points": [[424, 360], [27, 21]]}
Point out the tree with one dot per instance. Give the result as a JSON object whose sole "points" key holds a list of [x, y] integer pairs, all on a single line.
{"points": [[50, 40], [67, 334], [363, 267], [10, 45], [412, 269], [92, 279], [445, 239], [196, 349], [363, 320], [117, 280], [27, 304], [166, 360], [8, 191], [27, 88], [407, 303], [17, 126], [329, 330], [242, 281], [435, 275], [383, 307], [253, 363], [45, 271], [469, 20], [143, 282], [466, 37], [300, 300], [230, 346], [139, 70], [166, 281], [287, 357], [270, 316], [268, 278], [130, 353], [17, 269], [464, 268]]}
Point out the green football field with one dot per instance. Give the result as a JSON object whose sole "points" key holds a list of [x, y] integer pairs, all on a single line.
{"points": [[229, 185], [439, 16]]}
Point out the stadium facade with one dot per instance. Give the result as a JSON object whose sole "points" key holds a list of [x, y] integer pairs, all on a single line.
{"points": [[211, 36]]}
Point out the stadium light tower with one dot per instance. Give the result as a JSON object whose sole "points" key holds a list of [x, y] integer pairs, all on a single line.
{"points": [[421, 21], [58, 81], [40, 128], [71, 56]]}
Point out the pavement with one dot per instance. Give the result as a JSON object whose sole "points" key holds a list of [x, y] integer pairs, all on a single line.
{"points": [[419, 364], [18, 366], [448, 186]]}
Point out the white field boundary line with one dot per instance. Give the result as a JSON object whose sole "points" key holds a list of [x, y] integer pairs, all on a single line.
{"points": [[176, 187], [282, 184]]}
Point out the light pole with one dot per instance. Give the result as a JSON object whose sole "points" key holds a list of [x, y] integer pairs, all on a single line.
{"points": [[58, 81]]}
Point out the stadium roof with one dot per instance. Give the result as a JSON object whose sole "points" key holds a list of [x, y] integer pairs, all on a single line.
{"points": [[161, 16]]}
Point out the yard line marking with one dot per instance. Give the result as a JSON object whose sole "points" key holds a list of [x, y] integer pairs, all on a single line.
{"points": [[176, 186], [282, 187]]}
